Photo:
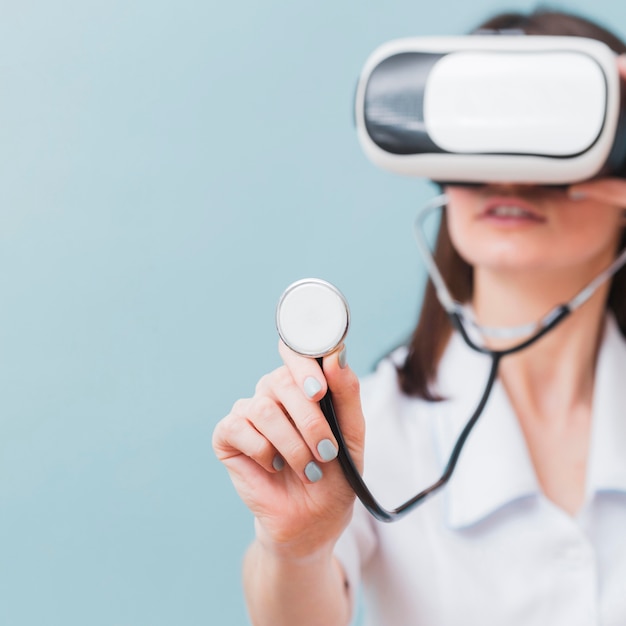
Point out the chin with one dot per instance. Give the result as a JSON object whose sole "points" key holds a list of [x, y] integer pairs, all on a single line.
{"points": [[508, 262]]}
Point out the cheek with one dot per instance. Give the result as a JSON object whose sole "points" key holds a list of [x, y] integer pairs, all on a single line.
{"points": [[470, 239], [591, 230]]}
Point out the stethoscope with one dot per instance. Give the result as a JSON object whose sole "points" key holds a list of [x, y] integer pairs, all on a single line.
{"points": [[313, 316]]}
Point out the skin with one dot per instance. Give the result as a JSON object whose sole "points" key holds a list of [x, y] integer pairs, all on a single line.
{"points": [[297, 521], [522, 268]]}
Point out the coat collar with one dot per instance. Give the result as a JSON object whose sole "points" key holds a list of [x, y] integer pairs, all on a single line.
{"points": [[495, 468]]}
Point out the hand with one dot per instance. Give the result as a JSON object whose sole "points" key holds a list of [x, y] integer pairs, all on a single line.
{"points": [[279, 450], [611, 191]]}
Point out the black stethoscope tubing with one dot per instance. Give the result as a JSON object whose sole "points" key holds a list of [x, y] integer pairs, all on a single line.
{"points": [[345, 458]]}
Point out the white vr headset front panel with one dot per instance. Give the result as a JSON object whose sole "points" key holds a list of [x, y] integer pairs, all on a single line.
{"points": [[480, 102], [491, 108]]}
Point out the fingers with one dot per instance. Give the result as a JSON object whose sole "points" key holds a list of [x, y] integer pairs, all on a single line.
{"points": [[292, 448], [306, 372], [299, 399], [343, 384], [282, 424], [235, 436], [283, 427], [610, 191], [259, 430]]}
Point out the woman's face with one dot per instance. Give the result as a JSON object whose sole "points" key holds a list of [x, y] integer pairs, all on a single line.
{"points": [[531, 228]]}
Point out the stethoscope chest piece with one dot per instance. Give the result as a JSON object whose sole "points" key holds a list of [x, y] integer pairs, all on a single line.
{"points": [[312, 317]]}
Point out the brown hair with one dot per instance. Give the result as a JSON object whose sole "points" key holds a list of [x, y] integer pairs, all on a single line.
{"points": [[417, 375]]}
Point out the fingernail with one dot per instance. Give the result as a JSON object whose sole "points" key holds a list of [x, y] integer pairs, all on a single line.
{"points": [[313, 472], [343, 358], [278, 464], [311, 386], [577, 195], [327, 450]]}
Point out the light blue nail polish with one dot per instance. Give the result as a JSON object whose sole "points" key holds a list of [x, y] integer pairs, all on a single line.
{"points": [[577, 195], [313, 472], [311, 386], [327, 450], [343, 358], [278, 464]]}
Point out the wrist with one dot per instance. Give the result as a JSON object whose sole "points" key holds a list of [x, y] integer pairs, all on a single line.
{"points": [[300, 551]]}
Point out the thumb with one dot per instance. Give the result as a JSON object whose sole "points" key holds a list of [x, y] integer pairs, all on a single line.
{"points": [[344, 386], [621, 64]]}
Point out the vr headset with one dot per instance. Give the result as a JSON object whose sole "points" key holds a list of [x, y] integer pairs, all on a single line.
{"points": [[485, 108]]}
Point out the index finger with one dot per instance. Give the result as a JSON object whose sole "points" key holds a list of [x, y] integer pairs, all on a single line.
{"points": [[306, 372]]}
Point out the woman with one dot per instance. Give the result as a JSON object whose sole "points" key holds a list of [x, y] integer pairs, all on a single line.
{"points": [[530, 528]]}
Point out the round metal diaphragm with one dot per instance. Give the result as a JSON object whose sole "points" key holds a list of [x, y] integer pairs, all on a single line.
{"points": [[312, 317]]}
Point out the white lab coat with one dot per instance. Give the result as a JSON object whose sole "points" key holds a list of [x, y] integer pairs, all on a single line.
{"points": [[490, 549]]}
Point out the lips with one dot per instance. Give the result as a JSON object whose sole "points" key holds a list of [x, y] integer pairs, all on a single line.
{"points": [[511, 210]]}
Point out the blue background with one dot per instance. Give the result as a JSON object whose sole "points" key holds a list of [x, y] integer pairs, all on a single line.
{"points": [[166, 169]]}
